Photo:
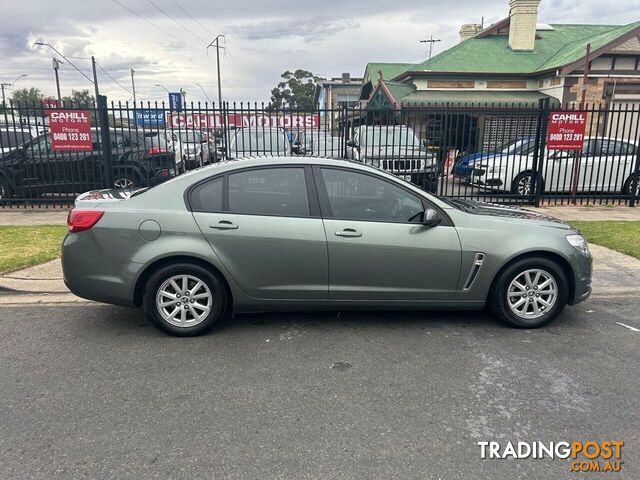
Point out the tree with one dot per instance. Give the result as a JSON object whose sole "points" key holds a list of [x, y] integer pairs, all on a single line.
{"points": [[296, 90], [79, 98], [28, 101]]}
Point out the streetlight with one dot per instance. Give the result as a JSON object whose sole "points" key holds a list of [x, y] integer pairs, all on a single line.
{"points": [[162, 86], [9, 85], [93, 64], [205, 93]]}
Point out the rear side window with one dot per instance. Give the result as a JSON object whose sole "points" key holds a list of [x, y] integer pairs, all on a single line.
{"points": [[269, 191], [207, 197], [13, 138]]}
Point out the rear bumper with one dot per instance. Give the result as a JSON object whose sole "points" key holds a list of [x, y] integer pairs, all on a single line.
{"points": [[92, 274]]}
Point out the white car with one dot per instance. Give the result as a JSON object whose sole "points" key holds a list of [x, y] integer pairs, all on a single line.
{"points": [[317, 143], [190, 146], [605, 165]]}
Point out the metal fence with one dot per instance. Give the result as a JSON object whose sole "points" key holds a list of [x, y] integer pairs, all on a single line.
{"points": [[495, 153]]}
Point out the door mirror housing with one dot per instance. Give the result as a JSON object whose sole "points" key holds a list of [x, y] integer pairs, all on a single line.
{"points": [[430, 218], [351, 143]]}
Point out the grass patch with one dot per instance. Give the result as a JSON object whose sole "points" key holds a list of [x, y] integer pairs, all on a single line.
{"points": [[623, 237], [25, 246]]}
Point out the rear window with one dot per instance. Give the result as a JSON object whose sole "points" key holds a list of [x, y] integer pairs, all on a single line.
{"points": [[207, 197], [13, 138]]}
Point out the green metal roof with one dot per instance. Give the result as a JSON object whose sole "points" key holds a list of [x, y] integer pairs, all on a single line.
{"points": [[389, 70], [553, 48]]}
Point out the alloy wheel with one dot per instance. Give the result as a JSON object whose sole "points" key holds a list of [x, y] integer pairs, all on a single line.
{"points": [[184, 300], [524, 185], [123, 182], [532, 294]]}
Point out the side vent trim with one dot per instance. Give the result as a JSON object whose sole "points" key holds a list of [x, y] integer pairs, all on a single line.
{"points": [[475, 268]]}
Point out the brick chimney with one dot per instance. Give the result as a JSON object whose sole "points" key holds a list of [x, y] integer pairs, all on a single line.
{"points": [[523, 17], [469, 30]]}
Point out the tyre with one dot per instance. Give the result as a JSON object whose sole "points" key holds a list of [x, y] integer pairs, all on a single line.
{"points": [[530, 293], [628, 186], [185, 299], [5, 189], [523, 184], [125, 180]]}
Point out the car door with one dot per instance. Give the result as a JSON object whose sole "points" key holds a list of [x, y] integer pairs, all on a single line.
{"points": [[265, 227], [378, 248]]}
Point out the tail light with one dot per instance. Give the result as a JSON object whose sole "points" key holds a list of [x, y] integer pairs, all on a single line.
{"points": [[156, 150], [79, 220]]}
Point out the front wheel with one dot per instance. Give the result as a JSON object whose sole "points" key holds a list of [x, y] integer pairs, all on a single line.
{"points": [[523, 185], [185, 299], [5, 189], [530, 293]]}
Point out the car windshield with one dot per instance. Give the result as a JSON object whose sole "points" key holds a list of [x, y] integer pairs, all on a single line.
{"points": [[513, 146], [389, 136], [258, 141], [190, 136], [154, 139]]}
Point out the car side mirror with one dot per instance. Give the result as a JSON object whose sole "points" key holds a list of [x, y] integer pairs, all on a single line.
{"points": [[351, 143], [430, 218]]}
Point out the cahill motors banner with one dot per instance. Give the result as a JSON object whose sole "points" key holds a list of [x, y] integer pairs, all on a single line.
{"points": [[238, 120]]}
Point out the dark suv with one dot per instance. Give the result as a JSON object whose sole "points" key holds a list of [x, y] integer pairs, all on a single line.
{"points": [[139, 159]]}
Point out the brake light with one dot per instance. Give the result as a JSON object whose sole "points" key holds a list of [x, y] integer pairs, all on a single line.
{"points": [[79, 220], [156, 150]]}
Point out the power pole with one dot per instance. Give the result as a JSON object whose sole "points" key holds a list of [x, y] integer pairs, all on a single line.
{"points": [[133, 86], [4, 100], [216, 42], [430, 41], [56, 66], [95, 78]]}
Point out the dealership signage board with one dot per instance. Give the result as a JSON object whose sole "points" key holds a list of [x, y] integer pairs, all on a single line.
{"points": [[50, 103], [150, 118], [70, 130], [239, 120], [566, 130], [175, 101]]}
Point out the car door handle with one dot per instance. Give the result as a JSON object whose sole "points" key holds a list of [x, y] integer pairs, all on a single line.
{"points": [[224, 225], [348, 232]]}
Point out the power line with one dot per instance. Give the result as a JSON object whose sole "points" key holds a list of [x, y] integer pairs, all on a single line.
{"points": [[192, 17], [177, 22], [113, 79], [166, 32]]}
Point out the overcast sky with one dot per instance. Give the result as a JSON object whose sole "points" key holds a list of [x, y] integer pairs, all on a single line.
{"points": [[263, 38]]}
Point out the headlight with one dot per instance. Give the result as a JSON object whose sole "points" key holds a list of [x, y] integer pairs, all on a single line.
{"points": [[579, 243]]}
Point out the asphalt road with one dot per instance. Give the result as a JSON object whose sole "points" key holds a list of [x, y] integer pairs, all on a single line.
{"points": [[94, 391]]}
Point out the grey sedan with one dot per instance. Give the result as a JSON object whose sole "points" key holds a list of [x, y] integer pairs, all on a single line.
{"points": [[308, 233]]}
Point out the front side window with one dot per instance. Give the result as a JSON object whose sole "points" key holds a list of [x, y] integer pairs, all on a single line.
{"points": [[357, 196], [269, 191]]}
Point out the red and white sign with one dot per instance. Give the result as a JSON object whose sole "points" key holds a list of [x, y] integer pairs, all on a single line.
{"points": [[238, 120], [566, 130], [70, 130], [50, 103]]}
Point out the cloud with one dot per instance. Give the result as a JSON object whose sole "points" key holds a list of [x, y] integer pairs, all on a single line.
{"points": [[311, 29]]}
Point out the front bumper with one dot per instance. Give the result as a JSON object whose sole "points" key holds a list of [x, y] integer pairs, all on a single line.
{"points": [[583, 269]]}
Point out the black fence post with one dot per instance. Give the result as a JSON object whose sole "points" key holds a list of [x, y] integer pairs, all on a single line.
{"points": [[105, 141], [539, 148]]}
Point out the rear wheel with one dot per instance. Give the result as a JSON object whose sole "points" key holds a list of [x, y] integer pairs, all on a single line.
{"points": [[125, 180], [5, 189], [530, 293], [185, 299], [629, 189]]}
